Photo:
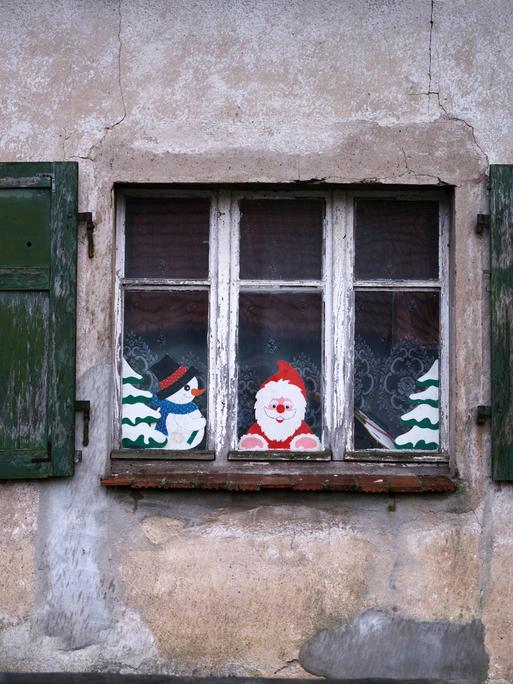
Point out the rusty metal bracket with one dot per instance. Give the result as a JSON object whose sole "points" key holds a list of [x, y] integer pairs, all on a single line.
{"points": [[483, 221], [84, 407], [87, 218], [484, 413]]}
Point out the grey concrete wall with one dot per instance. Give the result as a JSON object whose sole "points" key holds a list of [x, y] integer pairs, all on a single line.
{"points": [[412, 91]]}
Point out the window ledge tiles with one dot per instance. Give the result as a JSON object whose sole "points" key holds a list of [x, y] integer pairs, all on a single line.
{"points": [[329, 482]]}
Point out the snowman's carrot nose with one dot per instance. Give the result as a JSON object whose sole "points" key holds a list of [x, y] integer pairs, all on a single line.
{"points": [[197, 392]]}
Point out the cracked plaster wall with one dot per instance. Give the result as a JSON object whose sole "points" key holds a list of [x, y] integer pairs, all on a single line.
{"points": [[412, 92]]}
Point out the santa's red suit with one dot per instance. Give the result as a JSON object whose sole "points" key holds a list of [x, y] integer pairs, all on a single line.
{"points": [[303, 429]]}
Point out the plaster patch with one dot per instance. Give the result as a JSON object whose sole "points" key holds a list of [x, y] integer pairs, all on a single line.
{"points": [[378, 644], [225, 592], [498, 586], [436, 572], [442, 152], [159, 530], [77, 581], [127, 647], [19, 505]]}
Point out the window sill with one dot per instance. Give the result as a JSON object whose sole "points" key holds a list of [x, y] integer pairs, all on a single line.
{"points": [[160, 455], [288, 456], [157, 469], [358, 481]]}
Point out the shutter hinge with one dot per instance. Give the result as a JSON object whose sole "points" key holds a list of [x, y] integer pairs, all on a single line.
{"points": [[87, 218], [84, 407], [483, 414], [483, 221]]}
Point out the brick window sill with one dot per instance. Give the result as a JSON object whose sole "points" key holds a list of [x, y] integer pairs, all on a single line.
{"points": [[384, 483]]}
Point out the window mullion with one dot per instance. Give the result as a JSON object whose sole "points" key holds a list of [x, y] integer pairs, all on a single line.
{"points": [[230, 438], [444, 324], [274, 285], [328, 384], [220, 349], [342, 324], [118, 318], [401, 285], [212, 386], [163, 283]]}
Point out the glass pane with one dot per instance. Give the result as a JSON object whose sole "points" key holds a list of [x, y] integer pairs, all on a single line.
{"points": [[396, 370], [396, 239], [281, 239], [167, 238], [165, 370], [280, 364]]}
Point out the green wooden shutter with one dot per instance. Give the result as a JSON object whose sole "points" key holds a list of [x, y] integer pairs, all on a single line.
{"points": [[501, 231], [38, 219]]}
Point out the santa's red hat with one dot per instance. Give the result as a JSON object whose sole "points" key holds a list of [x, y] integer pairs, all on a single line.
{"points": [[286, 372]]}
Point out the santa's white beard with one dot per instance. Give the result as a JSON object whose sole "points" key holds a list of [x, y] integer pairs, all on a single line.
{"points": [[270, 427]]}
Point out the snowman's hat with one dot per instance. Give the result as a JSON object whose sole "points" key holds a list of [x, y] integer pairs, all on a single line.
{"points": [[171, 376]]}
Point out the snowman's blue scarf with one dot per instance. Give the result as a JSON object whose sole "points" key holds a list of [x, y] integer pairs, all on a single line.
{"points": [[166, 407]]}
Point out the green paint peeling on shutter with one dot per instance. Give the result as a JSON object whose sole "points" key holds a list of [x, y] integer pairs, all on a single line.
{"points": [[38, 219], [501, 232]]}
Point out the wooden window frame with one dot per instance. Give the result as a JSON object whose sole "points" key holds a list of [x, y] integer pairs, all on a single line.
{"points": [[441, 285], [338, 333]]}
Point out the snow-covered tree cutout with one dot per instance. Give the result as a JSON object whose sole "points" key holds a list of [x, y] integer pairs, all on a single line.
{"points": [[138, 419], [423, 420]]}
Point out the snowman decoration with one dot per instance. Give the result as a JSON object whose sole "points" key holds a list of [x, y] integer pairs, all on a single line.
{"points": [[280, 407], [180, 419]]}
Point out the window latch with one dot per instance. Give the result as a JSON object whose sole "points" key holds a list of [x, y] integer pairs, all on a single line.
{"points": [[483, 221], [483, 414], [87, 218], [84, 407]]}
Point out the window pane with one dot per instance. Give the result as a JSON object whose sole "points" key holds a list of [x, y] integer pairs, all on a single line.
{"points": [[167, 238], [395, 239], [280, 346], [396, 381], [165, 370], [281, 239]]}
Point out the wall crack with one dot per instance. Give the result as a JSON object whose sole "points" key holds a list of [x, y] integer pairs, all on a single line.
{"points": [[110, 127], [288, 663], [443, 112], [120, 80], [430, 64]]}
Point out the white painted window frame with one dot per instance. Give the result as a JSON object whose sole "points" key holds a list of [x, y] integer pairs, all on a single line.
{"points": [[440, 285], [337, 286]]}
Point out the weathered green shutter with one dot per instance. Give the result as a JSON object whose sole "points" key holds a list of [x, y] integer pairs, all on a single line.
{"points": [[501, 230], [38, 219]]}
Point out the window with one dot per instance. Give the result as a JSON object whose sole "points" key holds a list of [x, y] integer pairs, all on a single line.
{"points": [[282, 325]]}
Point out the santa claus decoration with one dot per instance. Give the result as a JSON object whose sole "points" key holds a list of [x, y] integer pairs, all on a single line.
{"points": [[280, 406]]}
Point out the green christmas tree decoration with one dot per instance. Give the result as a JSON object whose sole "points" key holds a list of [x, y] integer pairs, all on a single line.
{"points": [[424, 419], [138, 419]]}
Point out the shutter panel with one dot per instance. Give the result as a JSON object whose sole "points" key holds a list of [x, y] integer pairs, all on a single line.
{"points": [[38, 219], [501, 231]]}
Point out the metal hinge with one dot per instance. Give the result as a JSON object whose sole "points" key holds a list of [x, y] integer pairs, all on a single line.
{"points": [[483, 414], [87, 218], [84, 407], [483, 221]]}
